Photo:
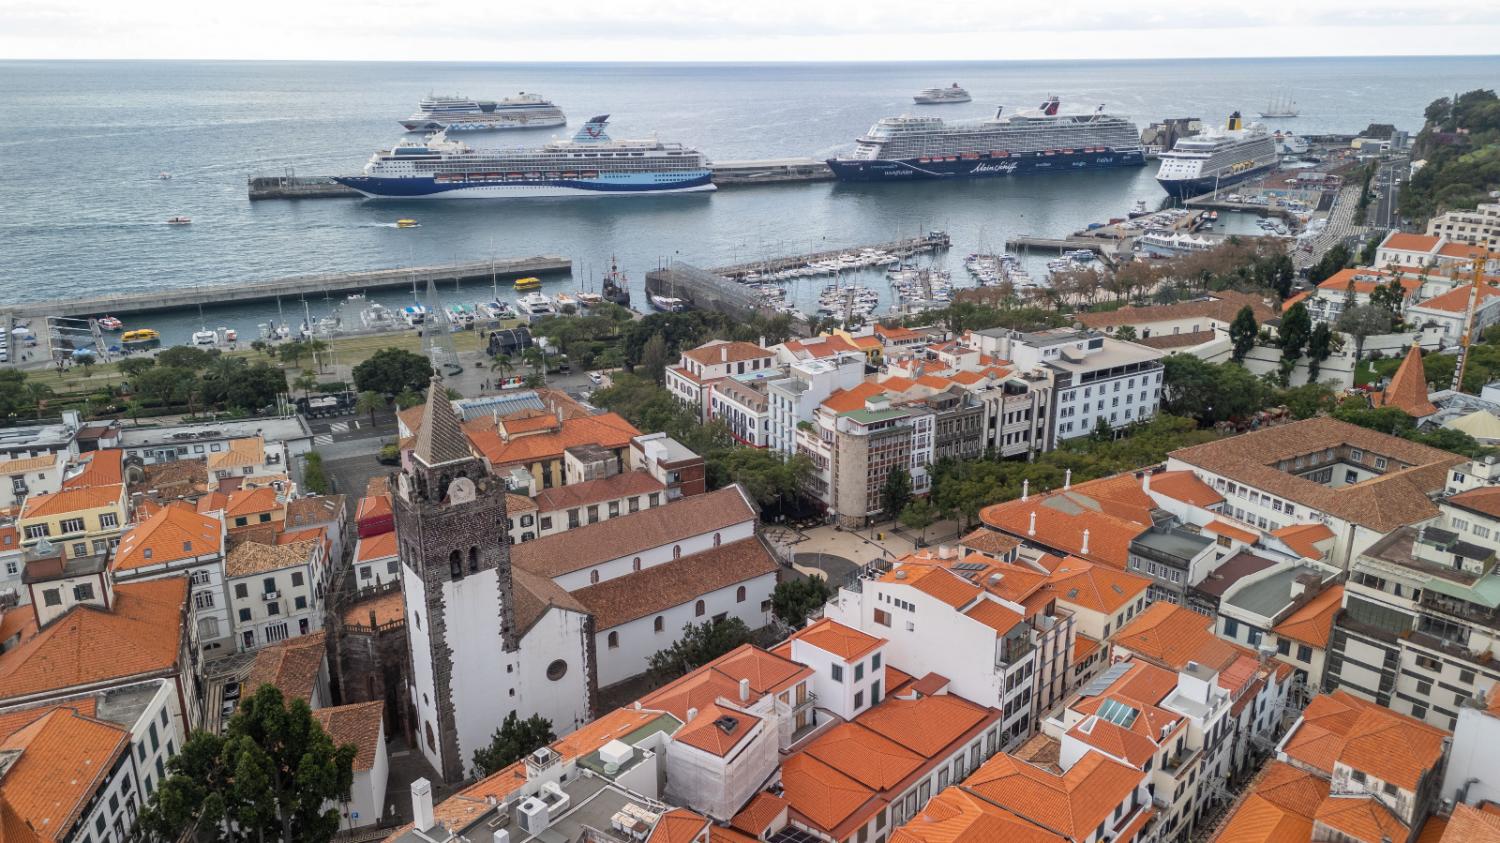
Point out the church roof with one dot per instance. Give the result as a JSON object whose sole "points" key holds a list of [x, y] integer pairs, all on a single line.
{"points": [[1408, 389], [440, 438]]}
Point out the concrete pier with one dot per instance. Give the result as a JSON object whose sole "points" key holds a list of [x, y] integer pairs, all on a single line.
{"points": [[909, 246], [122, 303], [298, 187]]}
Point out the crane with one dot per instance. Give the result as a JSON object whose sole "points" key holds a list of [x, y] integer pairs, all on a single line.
{"points": [[1481, 257]]}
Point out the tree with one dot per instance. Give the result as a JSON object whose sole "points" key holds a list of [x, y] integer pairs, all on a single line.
{"points": [[1389, 296], [1308, 400], [1332, 261], [188, 357], [794, 600], [391, 371], [1319, 347], [1210, 392], [132, 367], [406, 399], [316, 347], [1361, 321], [502, 365], [1295, 330], [166, 385], [1242, 332], [306, 381], [918, 515], [271, 776], [699, 645], [368, 402], [895, 494], [766, 476], [1368, 251], [514, 740], [259, 346], [314, 478], [654, 358], [291, 351], [1125, 332]]}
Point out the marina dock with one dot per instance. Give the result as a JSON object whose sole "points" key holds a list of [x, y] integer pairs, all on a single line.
{"points": [[930, 242], [122, 303], [725, 174]]}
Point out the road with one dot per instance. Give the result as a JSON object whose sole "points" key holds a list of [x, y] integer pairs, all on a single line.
{"points": [[1383, 212], [1341, 228]]}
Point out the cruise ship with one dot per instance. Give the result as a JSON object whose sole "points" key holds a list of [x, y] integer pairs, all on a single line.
{"points": [[1036, 140], [1216, 159], [941, 96], [457, 114], [591, 164]]}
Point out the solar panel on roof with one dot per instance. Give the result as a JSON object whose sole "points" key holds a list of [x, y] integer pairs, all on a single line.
{"points": [[970, 566], [1118, 713], [1102, 682], [794, 835]]}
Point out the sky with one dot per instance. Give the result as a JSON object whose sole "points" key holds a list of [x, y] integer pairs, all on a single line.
{"points": [[745, 30]]}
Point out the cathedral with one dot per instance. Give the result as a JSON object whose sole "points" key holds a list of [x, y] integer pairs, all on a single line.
{"points": [[484, 639]]}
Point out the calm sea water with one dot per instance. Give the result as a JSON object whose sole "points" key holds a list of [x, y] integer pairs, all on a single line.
{"points": [[82, 143]]}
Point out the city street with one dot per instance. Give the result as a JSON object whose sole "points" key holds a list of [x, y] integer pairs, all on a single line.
{"points": [[1383, 212]]}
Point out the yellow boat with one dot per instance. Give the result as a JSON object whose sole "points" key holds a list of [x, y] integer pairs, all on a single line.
{"points": [[407, 224], [524, 284], [140, 335]]}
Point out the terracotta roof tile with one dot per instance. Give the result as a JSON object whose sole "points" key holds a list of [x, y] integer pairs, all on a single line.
{"points": [[212, 502], [1340, 727], [660, 587], [853, 398], [240, 453], [1186, 487], [1305, 538], [387, 607], [1113, 509], [717, 730], [1173, 636], [243, 502], [25, 464], [320, 509], [65, 758], [821, 794], [14, 720], [757, 816], [678, 825], [1407, 391], [373, 506], [1096, 587], [293, 666], [1222, 306], [1072, 804], [252, 557], [1279, 808], [1456, 300], [956, 816], [1224, 528], [1083, 647], [623, 485], [140, 634], [1313, 622], [1468, 824], [935, 581], [581, 547], [100, 468], [767, 673], [357, 724], [382, 546], [732, 352], [833, 637], [1406, 242], [1361, 818], [607, 430], [73, 500], [926, 725], [170, 534], [536, 595], [1393, 499]]}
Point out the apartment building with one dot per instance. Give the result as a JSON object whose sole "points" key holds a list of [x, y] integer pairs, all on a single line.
{"points": [[39, 475], [81, 522], [793, 400], [692, 379], [178, 541], [1479, 227], [275, 590], [741, 404]]}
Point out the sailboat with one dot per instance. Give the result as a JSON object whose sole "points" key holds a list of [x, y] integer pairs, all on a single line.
{"points": [[1282, 107]]}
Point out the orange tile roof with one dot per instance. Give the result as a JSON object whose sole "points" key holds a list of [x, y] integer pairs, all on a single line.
{"points": [[757, 816], [382, 546], [1113, 509], [358, 724], [1405, 242], [387, 607], [822, 795], [956, 816], [65, 758], [1292, 301], [1304, 538], [1115, 741], [294, 666], [239, 453], [1361, 818], [996, 616], [212, 502], [833, 637], [865, 756], [849, 400], [1083, 647], [1313, 622], [1456, 300], [1468, 824], [14, 720], [140, 634], [1173, 636], [373, 506], [678, 825], [100, 468], [1072, 804], [172, 533], [1340, 727], [607, 430], [897, 333], [1407, 391], [1365, 281], [73, 500], [1186, 487], [735, 352], [24, 464], [1096, 587], [926, 725], [768, 674], [934, 581], [1224, 528], [1279, 808], [243, 502]]}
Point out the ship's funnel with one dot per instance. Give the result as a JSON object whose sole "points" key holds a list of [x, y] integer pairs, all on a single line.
{"points": [[1236, 122]]}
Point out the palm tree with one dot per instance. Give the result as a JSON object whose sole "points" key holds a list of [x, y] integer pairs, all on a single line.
{"points": [[305, 382], [368, 402], [536, 359], [316, 347], [503, 365]]}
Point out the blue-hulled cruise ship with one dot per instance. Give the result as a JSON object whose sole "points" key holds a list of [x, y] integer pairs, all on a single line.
{"points": [[591, 164], [1041, 140]]}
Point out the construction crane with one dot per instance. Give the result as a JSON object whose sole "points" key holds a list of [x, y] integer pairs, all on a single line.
{"points": [[1481, 257]]}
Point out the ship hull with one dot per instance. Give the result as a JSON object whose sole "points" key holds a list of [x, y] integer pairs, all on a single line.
{"points": [[917, 169], [482, 124], [376, 187], [1182, 189]]}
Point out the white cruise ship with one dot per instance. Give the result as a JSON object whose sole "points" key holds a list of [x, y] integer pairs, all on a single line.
{"points": [[458, 114], [1217, 158], [942, 96], [591, 164]]}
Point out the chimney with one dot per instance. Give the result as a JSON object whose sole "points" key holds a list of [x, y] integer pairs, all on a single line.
{"points": [[1067, 480], [559, 415], [1031, 530], [744, 690], [1025, 489], [1146, 480], [724, 353], [692, 714], [1085, 549], [421, 804]]}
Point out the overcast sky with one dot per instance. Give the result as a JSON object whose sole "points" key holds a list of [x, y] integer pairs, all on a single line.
{"points": [[748, 30]]}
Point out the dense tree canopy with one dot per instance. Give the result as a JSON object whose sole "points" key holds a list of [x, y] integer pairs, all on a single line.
{"points": [[699, 645], [391, 371], [514, 740]]}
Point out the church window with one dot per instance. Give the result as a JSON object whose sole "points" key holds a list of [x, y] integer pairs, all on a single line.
{"points": [[699, 609], [431, 738], [660, 624], [473, 560], [557, 670], [676, 551], [614, 640], [594, 576], [716, 539], [635, 564], [456, 565], [739, 594]]}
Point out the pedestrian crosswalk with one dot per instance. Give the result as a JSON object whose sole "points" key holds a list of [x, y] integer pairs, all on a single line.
{"points": [[323, 439], [338, 427]]}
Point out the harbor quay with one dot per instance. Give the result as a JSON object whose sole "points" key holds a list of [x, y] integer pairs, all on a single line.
{"points": [[302, 285]]}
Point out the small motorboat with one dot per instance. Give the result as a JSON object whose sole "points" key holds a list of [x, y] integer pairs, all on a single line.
{"points": [[230, 335], [164, 175], [588, 299], [565, 300], [205, 337], [528, 283], [408, 223], [110, 323], [179, 220]]}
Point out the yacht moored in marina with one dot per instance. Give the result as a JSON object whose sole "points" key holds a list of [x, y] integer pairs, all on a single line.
{"points": [[534, 306]]}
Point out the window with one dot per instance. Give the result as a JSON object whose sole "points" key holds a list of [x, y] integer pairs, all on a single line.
{"points": [[80, 549], [875, 662], [594, 576], [71, 525], [699, 609], [1304, 653], [36, 531], [859, 700], [1231, 627], [557, 670], [614, 640], [875, 692], [108, 520], [882, 617], [244, 615], [659, 624], [272, 608], [52, 597], [241, 590], [301, 602], [837, 674], [739, 594]]}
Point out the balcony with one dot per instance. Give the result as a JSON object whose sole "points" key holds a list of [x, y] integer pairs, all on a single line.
{"points": [[268, 596], [804, 704]]}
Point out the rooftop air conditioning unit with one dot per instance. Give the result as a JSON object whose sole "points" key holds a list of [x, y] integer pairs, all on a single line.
{"points": [[533, 816]]}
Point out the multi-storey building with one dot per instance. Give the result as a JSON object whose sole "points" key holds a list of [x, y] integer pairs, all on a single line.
{"points": [[275, 590], [1479, 227], [81, 522], [31, 476], [741, 404], [691, 380], [793, 400], [177, 541]]}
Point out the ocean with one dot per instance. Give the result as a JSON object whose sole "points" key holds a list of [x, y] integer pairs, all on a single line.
{"points": [[82, 144]]}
